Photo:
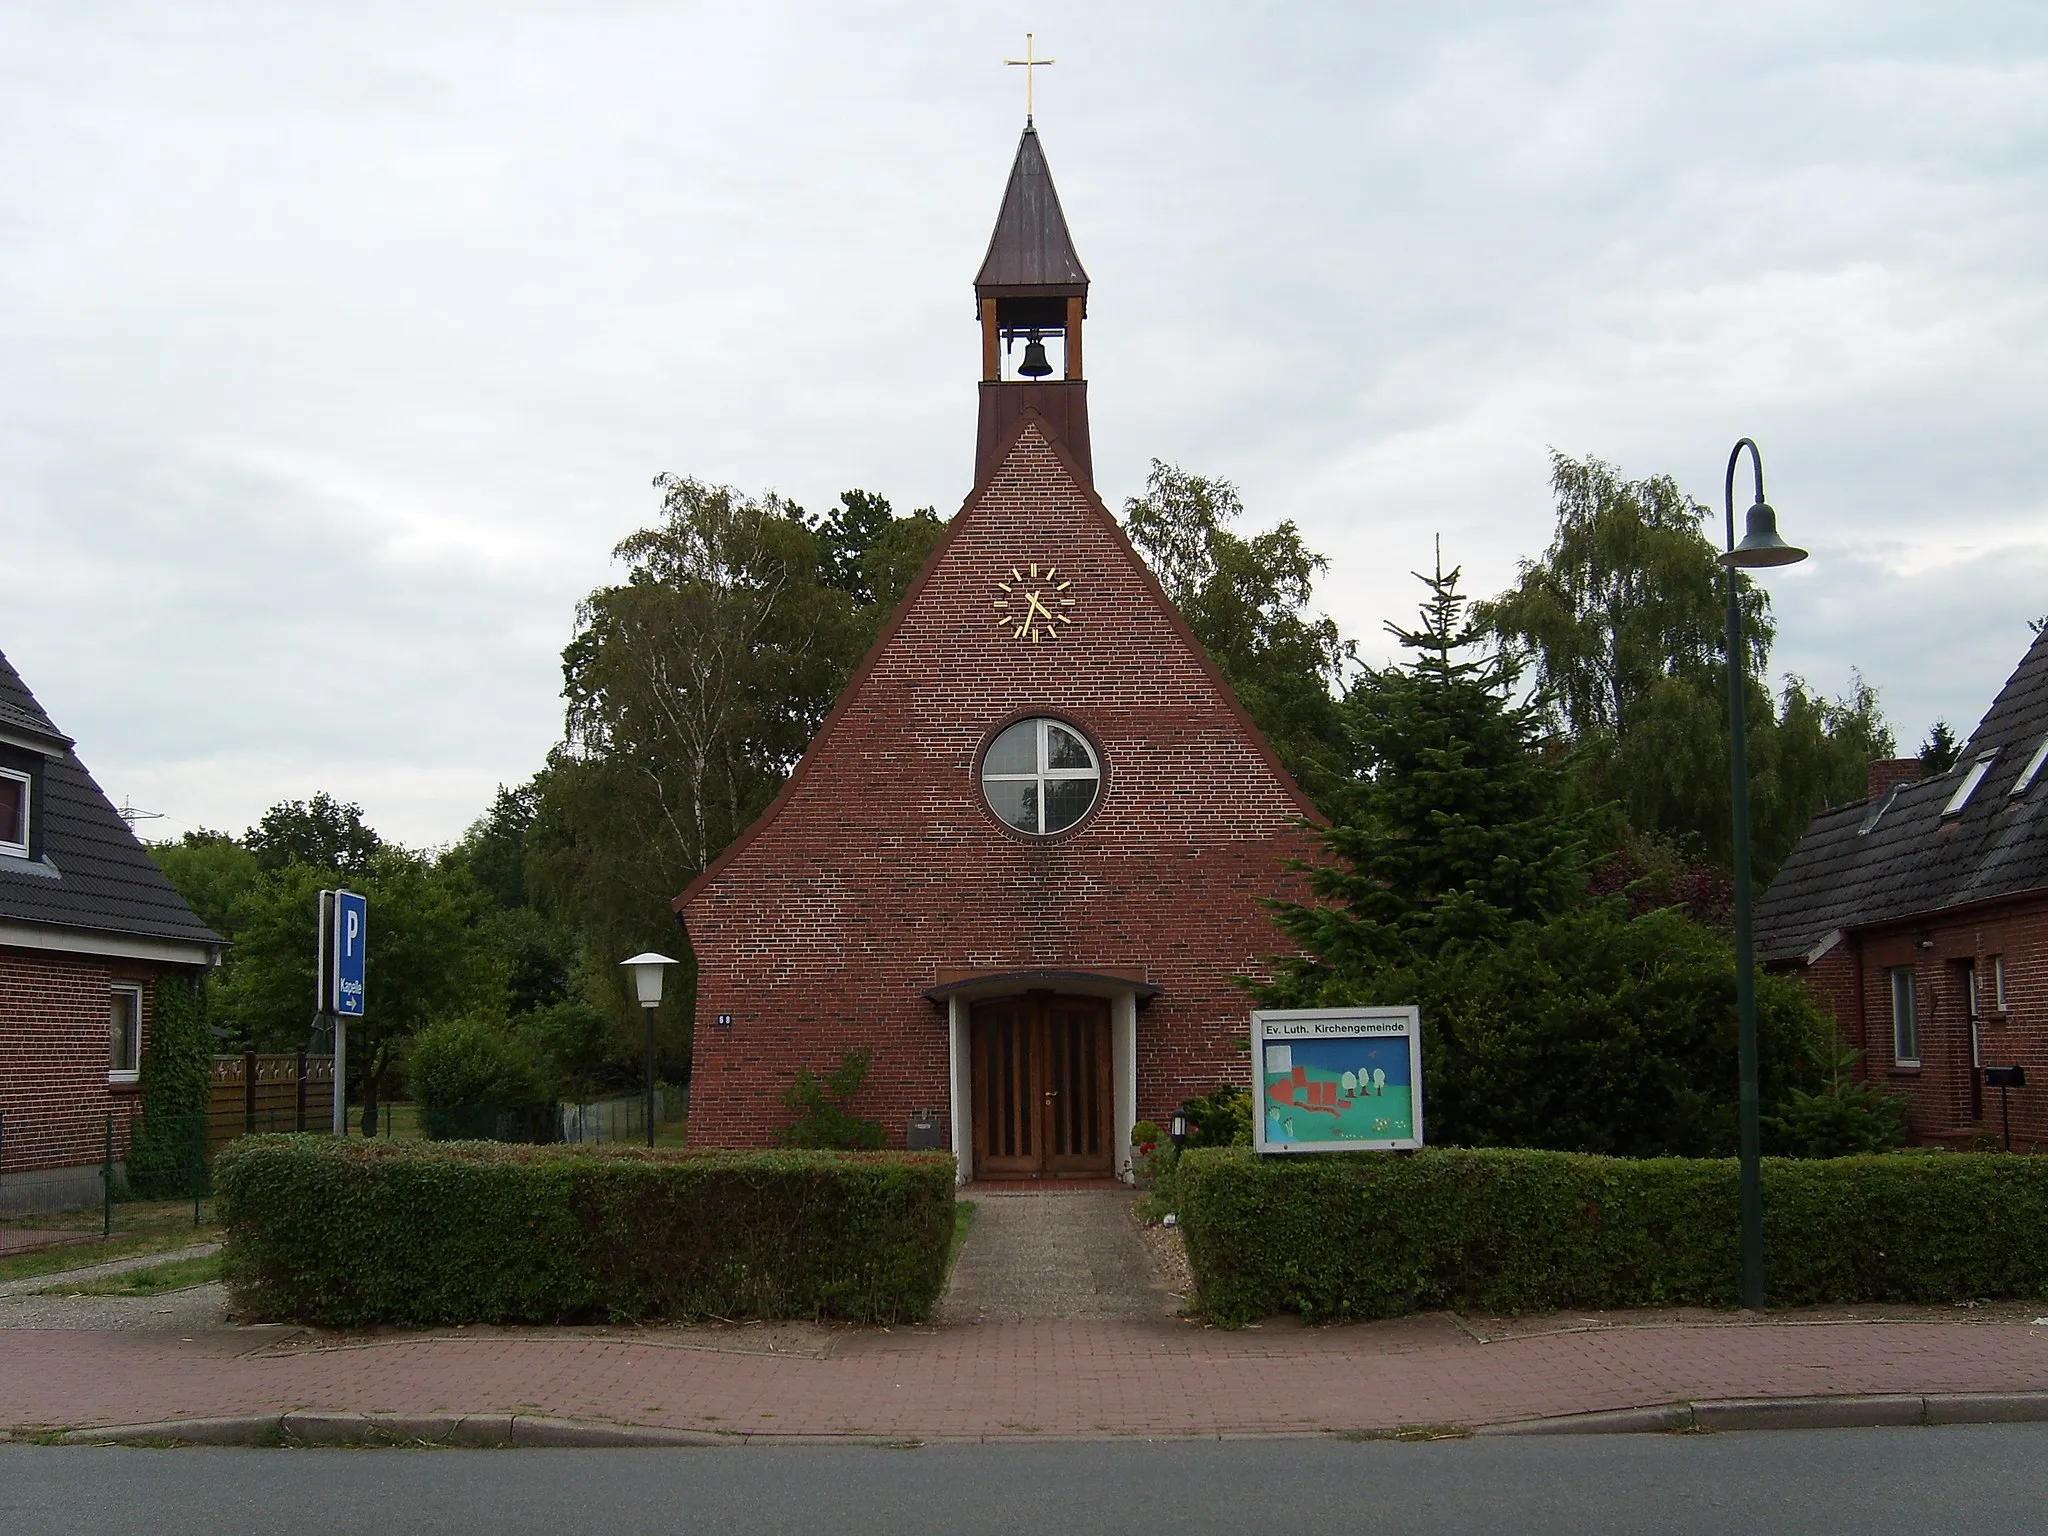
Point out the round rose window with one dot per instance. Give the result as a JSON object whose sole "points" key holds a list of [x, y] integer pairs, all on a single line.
{"points": [[1041, 776]]}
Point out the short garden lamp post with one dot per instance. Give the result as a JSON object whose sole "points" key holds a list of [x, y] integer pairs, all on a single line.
{"points": [[647, 972], [1179, 1130], [1760, 547]]}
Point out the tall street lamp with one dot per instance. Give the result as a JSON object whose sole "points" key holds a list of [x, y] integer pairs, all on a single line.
{"points": [[648, 970], [1760, 547]]}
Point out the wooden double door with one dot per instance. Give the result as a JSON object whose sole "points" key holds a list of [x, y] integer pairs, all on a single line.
{"points": [[1041, 1083]]}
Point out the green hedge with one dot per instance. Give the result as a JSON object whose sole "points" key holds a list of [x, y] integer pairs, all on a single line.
{"points": [[1370, 1235], [352, 1233]]}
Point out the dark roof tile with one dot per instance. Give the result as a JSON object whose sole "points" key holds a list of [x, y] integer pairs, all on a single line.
{"points": [[106, 881], [1914, 860]]}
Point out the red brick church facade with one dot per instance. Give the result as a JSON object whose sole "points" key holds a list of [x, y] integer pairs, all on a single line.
{"points": [[1033, 986]]}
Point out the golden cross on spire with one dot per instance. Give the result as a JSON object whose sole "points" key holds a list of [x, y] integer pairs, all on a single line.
{"points": [[1030, 64]]}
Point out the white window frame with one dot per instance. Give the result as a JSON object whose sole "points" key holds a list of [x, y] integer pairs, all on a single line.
{"points": [[119, 1074], [2032, 771], [1905, 1016], [1998, 983], [1043, 774], [20, 849], [1970, 782]]}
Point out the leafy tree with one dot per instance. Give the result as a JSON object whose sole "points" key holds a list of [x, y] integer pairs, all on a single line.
{"points": [[494, 848], [1247, 601], [426, 959], [322, 831], [571, 1042], [1623, 624], [1458, 882], [849, 537], [891, 563], [1458, 831], [1628, 596], [692, 687], [1939, 751], [210, 870]]}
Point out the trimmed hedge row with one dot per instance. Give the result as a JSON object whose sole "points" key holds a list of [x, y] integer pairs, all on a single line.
{"points": [[350, 1233], [1362, 1235]]}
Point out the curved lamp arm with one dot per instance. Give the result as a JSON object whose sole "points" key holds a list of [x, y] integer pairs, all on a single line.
{"points": [[1728, 486]]}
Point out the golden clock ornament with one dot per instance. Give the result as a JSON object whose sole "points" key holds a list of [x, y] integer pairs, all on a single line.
{"points": [[1033, 605]]}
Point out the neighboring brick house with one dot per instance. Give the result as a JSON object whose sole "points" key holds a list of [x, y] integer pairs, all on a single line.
{"points": [[1026, 854], [88, 925], [1920, 918]]}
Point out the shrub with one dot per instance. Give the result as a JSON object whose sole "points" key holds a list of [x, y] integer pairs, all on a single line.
{"points": [[1368, 1235], [1845, 1118], [1220, 1118], [350, 1233], [825, 1120], [1593, 1032], [167, 1155], [473, 1078]]}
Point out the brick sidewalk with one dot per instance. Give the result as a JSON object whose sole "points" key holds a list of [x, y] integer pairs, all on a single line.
{"points": [[1065, 1378]]}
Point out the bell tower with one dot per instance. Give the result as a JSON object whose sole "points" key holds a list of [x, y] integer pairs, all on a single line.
{"points": [[1031, 291]]}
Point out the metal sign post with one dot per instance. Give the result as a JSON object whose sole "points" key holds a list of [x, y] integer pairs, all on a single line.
{"points": [[2004, 1079], [344, 950]]}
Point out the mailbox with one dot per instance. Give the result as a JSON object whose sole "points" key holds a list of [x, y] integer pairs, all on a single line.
{"points": [[2005, 1077], [923, 1134]]}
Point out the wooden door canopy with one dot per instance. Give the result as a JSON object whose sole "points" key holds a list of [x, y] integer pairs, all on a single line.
{"points": [[1030, 981]]}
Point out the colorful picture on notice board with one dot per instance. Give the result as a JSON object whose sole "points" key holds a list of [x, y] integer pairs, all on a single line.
{"points": [[1337, 1079]]}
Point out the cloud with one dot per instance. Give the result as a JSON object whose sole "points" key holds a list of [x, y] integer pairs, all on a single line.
{"points": [[338, 347]]}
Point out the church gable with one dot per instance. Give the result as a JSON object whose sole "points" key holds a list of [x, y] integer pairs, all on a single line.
{"points": [[1034, 604]]}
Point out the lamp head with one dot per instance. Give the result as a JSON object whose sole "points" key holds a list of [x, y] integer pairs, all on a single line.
{"points": [[1760, 544], [647, 972]]}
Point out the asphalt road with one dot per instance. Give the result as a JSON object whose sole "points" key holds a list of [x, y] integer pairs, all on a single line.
{"points": [[1981, 1479]]}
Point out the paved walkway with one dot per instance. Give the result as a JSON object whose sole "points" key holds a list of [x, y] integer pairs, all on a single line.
{"points": [[1109, 1361], [1064, 1254], [1076, 1377]]}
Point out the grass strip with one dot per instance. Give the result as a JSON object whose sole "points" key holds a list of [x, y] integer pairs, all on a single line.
{"points": [[150, 1280]]}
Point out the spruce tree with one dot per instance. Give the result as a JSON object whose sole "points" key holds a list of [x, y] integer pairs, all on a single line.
{"points": [[1456, 835]]}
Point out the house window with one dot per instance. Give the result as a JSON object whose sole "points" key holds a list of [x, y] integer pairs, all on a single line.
{"points": [[2032, 771], [1041, 776], [124, 1044], [1970, 782], [1905, 1018], [1998, 983], [13, 812]]}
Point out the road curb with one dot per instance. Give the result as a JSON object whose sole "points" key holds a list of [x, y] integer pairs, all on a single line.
{"points": [[470, 1430], [512, 1431], [1849, 1411]]}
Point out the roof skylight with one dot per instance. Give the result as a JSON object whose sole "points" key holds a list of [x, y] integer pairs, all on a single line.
{"points": [[1970, 782], [2025, 781], [1877, 811]]}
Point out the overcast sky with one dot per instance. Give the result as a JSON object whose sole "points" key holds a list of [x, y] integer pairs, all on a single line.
{"points": [[338, 344]]}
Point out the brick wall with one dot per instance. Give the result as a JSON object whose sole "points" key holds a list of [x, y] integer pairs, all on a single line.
{"points": [[1853, 983], [54, 1094], [882, 867]]}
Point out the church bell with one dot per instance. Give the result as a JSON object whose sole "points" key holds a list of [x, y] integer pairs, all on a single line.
{"points": [[1034, 365]]}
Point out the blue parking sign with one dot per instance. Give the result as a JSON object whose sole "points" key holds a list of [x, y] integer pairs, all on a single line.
{"points": [[347, 946]]}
